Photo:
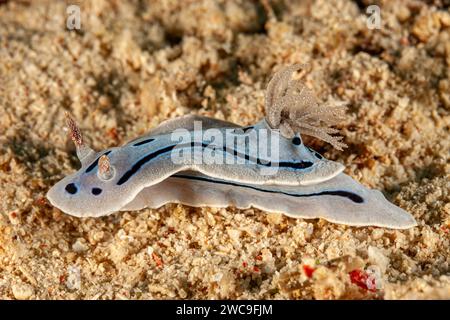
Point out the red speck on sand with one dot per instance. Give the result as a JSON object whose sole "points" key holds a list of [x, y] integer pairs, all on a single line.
{"points": [[62, 279], [113, 133], [256, 269], [308, 270], [244, 264], [41, 201], [362, 280], [157, 259]]}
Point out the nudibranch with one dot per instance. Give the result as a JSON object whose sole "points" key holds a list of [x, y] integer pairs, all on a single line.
{"points": [[200, 161]]}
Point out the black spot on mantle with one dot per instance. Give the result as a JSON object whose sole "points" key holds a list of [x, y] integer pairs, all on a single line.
{"points": [[96, 191], [297, 141], [71, 188]]}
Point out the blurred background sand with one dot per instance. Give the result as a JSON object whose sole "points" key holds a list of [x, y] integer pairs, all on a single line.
{"points": [[135, 63]]}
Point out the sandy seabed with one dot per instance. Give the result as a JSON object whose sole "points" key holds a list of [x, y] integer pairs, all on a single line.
{"points": [[136, 63]]}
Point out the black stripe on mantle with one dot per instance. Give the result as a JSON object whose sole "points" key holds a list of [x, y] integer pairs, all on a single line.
{"points": [[137, 166], [346, 194]]}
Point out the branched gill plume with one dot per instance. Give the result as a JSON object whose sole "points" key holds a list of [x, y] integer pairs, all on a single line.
{"points": [[293, 108]]}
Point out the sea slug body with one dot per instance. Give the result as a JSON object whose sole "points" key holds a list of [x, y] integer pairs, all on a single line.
{"points": [[200, 161]]}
